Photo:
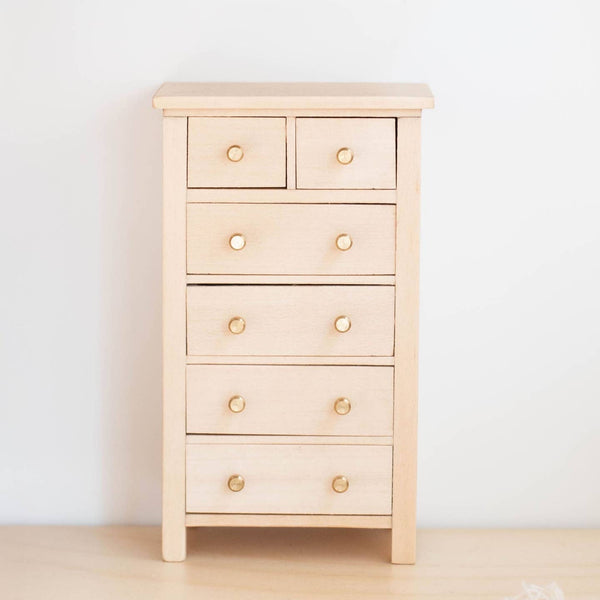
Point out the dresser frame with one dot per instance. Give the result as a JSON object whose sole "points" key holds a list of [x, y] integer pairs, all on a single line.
{"points": [[406, 108]]}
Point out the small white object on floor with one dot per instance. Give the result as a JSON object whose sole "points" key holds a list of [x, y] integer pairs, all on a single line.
{"points": [[536, 592]]}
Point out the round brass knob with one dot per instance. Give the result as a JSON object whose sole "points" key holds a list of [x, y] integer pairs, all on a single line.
{"points": [[237, 325], [345, 156], [236, 483], [342, 406], [237, 241], [235, 153], [343, 242], [340, 484], [237, 404], [343, 324]]}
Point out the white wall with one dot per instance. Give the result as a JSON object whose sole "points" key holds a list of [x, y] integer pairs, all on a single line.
{"points": [[510, 346]]}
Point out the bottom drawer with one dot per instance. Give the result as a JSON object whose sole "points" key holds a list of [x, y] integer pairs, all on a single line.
{"points": [[288, 479]]}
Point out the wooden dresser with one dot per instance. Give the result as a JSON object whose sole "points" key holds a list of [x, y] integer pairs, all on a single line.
{"points": [[290, 307]]}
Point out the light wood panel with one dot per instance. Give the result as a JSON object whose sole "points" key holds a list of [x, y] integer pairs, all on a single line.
{"points": [[407, 343], [290, 360], [262, 141], [229, 563], [294, 279], [292, 196], [288, 95], [174, 338], [290, 239], [288, 478], [297, 112], [291, 439], [290, 320], [289, 400], [372, 142], [245, 520]]}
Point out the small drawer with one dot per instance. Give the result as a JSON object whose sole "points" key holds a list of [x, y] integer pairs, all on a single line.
{"points": [[289, 400], [346, 153], [290, 320], [290, 239], [236, 152], [288, 479]]}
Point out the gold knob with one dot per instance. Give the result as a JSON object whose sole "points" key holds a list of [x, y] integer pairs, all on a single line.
{"points": [[237, 404], [236, 483], [343, 242], [237, 241], [345, 156], [237, 325], [340, 484], [342, 406], [235, 153], [343, 324]]}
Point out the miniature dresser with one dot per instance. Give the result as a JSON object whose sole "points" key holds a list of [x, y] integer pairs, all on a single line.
{"points": [[290, 307]]}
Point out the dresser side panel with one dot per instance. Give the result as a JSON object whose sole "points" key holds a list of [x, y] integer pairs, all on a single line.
{"points": [[174, 337], [406, 341]]}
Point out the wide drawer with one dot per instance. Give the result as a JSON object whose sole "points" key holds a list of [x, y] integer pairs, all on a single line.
{"points": [[290, 320], [352, 153], [294, 478], [290, 239], [236, 152], [289, 400]]}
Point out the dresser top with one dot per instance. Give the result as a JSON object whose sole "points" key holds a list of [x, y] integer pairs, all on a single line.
{"points": [[206, 95]]}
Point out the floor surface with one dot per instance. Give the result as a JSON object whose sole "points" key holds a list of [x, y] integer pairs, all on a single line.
{"points": [[52, 563]]}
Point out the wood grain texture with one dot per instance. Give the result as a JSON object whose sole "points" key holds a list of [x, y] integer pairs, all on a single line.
{"points": [[263, 141], [372, 141], [246, 520], [302, 95], [234, 196], [291, 478], [406, 347], [258, 359], [174, 339], [293, 279], [289, 400], [319, 440], [229, 563], [290, 239], [290, 320]]}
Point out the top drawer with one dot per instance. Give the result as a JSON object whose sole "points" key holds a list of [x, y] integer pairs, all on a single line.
{"points": [[350, 153], [236, 152]]}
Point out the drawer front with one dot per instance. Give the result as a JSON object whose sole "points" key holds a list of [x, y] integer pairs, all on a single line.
{"points": [[290, 320], [289, 400], [290, 239], [236, 152], [290, 479], [369, 161]]}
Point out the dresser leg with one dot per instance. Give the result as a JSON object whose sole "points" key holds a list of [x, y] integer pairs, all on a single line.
{"points": [[403, 546], [173, 542]]}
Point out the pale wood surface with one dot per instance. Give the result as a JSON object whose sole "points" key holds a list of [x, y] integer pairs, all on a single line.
{"points": [[295, 279], [290, 320], [262, 140], [290, 360], [319, 440], [292, 196], [296, 112], [174, 338], [406, 348], [289, 400], [246, 520], [96, 563], [304, 95], [290, 239], [373, 142], [288, 478]]}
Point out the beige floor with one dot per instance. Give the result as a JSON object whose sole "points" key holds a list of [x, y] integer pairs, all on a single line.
{"points": [[89, 563]]}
